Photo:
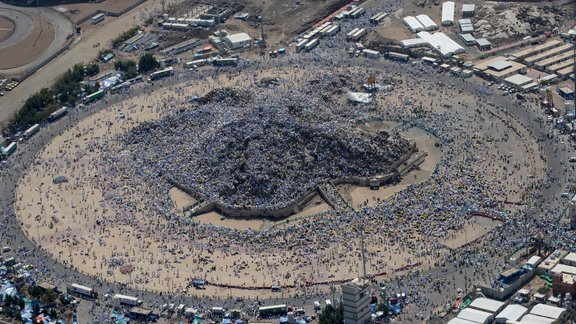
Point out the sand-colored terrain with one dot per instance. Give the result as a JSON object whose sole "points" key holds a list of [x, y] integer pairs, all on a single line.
{"points": [[6, 28], [84, 224], [29, 48]]}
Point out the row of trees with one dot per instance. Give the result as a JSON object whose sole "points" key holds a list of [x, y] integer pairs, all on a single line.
{"points": [[68, 87], [129, 69], [64, 92], [116, 42]]}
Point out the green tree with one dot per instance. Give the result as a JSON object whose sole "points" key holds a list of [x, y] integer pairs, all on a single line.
{"points": [[116, 42], [35, 310], [147, 63], [128, 67], [48, 297], [35, 291], [331, 315], [92, 69]]}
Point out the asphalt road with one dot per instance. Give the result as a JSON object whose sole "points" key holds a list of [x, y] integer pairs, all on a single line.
{"points": [[62, 27], [23, 25]]}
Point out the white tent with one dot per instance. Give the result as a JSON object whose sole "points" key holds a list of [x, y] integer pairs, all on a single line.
{"points": [[487, 304], [474, 315], [549, 311], [511, 313], [448, 13], [359, 97]]}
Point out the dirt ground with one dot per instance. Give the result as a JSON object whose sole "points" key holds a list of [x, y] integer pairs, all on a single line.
{"points": [[30, 47], [77, 11], [6, 28]]}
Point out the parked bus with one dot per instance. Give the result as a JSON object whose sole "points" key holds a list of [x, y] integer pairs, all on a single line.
{"points": [[31, 131], [312, 44], [8, 150], [98, 18], [57, 114], [226, 61], [81, 290], [161, 74], [94, 96], [377, 18], [125, 300], [300, 45], [196, 63], [274, 310]]}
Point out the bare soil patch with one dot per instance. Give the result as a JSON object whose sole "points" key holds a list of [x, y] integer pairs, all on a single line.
{"points": [[77, 11], [26, 51], [6, 28]]}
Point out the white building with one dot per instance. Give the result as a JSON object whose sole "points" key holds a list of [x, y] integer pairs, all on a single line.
{"points": [[457, 320], [413, 24], [441, 43], [474, 315], [427, 22], [570, 259], [356, 301], [468, 10], [239, 40], [552, 312], [518, 80], [534, 261], [511, 313], [447, 13], [487, 305], [533, 319], [572, 212]]}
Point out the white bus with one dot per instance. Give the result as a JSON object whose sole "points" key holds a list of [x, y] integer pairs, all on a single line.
{"points": [[311, 44], [272, 311], [300, 45], [162, 73], [31, 131], [196, 63], [126, 300], [98, 18], [7, 151], [57, 114], [82, 290]]}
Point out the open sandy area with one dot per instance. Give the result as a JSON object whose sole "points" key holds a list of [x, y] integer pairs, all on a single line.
{"points": [[77, 11], [6, 28], [81, 223]]}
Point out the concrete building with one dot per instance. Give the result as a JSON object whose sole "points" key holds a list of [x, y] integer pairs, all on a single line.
{"points": [[239, 40], [498, 68], [549, 54], [483, 44], [518, 81], [570, 259], [356, 301], [563, 283], [468, 10], [550, 263], [468, 39], [533, 50]]}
